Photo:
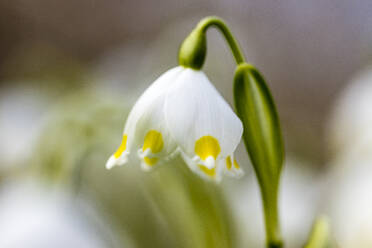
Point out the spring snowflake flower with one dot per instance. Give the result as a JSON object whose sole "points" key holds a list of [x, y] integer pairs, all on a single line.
{"points": [[182, 113]]}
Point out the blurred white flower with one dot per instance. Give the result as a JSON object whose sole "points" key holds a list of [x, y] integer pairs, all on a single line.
{"points": [[32, 216], [350, 202], [21, 109], [349, 183], [351, 124], [182, 113]]}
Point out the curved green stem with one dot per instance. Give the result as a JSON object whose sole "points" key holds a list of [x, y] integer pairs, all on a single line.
{"points": [[205, 23], [254, 98], [193, 50]]}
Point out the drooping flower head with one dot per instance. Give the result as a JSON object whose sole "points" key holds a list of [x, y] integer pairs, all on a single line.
{"points": [[182, 113]]}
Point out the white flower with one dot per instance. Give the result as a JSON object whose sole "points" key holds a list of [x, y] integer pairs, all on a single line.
{"points": [[182, 113]]}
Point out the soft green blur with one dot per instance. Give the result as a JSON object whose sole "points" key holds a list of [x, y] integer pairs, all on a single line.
{"points": [[170, 207], [319, 237]]}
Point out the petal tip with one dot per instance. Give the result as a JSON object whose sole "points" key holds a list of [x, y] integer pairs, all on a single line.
{"points": [[112, 161], [239, 174], [145, 167]]}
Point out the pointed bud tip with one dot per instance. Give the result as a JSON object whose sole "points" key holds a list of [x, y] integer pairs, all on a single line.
{"points": [[193, 50]]}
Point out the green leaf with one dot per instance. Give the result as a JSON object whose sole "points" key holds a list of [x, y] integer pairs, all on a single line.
{"points": [[319, 237], [263, 140]]}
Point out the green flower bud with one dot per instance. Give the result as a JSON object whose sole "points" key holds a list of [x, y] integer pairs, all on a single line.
{"points": [[263, 140]]}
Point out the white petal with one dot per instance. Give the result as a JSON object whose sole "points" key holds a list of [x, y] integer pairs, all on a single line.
{"points": [[146, 115], [152, 121], [213, 173], [147, 99], [194, 109], [114, 161], [231, 167]]}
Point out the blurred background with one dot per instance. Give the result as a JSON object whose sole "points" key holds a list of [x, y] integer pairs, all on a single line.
{"points": [[71, 70]]}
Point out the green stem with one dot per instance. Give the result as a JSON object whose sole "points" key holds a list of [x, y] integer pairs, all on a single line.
{"points": [[193, 50], [205, 23], [270, 207], [269, 199]]}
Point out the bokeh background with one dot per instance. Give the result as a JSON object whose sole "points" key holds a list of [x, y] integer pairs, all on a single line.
{"points": [[71, 70]]}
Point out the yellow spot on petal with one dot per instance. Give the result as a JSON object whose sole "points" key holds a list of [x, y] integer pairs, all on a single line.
{"points": [[209, 172], [153, 141], [150, 161], [207, 146], [228, 162], [122, 146], [236, 165]]}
